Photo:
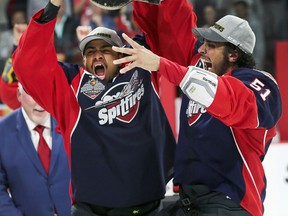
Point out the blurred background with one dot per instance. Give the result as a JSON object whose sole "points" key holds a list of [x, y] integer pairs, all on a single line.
{"points": [[268, 19]]}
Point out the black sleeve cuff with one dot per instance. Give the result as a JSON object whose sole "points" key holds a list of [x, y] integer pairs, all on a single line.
{"points": [[50, 12]]}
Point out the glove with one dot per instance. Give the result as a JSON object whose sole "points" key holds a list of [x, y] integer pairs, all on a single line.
{"points": [[199, 85]]}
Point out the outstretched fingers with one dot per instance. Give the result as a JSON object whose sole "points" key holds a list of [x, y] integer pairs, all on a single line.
{"points": [[127, 51], [129, 40], [127, 68], [138, 56], [128, 60]]}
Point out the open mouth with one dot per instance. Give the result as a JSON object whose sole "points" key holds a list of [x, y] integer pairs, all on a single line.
{"points": [[207, 64], [99, 71]]}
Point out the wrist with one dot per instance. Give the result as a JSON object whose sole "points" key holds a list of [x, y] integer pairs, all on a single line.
{"points": [[199, 85], [57, 3]]}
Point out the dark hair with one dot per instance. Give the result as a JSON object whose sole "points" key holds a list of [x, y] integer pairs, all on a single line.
{"points": [[12, 9], [244, 60], [244, 3]]}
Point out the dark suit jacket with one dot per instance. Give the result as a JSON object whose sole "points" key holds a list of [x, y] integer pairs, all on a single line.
{"points": [[34, 193]]}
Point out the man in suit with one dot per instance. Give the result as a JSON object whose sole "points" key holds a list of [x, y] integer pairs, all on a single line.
{"points": [[26, 188]]}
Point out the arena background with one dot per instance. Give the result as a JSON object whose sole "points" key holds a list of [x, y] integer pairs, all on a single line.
{"points": [[274, 18]]}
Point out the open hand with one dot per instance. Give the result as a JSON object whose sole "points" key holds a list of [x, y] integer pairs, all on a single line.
{"points": [[139, 56]]}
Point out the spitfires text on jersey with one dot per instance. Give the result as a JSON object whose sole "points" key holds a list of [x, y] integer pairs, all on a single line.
{"points": [[120, 102]]}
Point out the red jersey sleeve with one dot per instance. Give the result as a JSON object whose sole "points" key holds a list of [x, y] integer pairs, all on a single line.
{"points": [[37, 69], [172, 71], [168, 28], [239, 100]]}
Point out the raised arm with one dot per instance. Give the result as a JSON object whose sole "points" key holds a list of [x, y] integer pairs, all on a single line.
{"points": [[36, 66], [139, 56], [240, 90], [168, 28]]}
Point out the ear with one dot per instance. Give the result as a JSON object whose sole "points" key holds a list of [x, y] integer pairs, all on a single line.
{"points": [[84, 60], [19, 94], [233, 56]]}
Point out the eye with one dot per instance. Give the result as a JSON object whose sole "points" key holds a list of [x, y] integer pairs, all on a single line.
{"points": [[211, 44], [106, 51], [89, 52]]}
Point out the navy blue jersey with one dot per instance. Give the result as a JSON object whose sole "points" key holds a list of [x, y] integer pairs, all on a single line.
{"points": [[121, 144], [122, 135], [222, 146], [215, 150]]}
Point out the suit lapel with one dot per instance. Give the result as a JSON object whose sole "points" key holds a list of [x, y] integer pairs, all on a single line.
{"points": [[56, 142], [24, 138]]}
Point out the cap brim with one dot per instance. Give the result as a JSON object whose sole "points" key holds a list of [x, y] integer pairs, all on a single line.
{"points": [[87, 39], [208, 34]]}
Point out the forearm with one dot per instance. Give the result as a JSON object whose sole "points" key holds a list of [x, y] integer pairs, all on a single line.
{"points": [[35, 61], [145, 16], [57, 3], [172, 71], [139, 56], [50, 11], [168, 28]]}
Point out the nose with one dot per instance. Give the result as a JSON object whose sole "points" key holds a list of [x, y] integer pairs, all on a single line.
{"points": [[98, 55], [202, 49]]}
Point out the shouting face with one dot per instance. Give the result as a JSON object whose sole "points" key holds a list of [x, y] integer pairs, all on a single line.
{"points": [[216, 57], [98, 59]]}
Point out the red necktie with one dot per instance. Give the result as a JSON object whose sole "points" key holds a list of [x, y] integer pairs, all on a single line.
{"points": [[44, 151]]}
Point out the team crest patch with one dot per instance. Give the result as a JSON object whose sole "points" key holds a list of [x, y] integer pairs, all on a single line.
{"points": [[92, 88], [194, 112], [120, 102]]}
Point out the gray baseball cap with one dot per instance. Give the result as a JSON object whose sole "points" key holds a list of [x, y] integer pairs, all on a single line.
{"points": [[102, 33], [230, 29]]}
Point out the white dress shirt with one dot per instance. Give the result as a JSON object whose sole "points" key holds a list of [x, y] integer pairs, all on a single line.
{"points": [[34, 134]]}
